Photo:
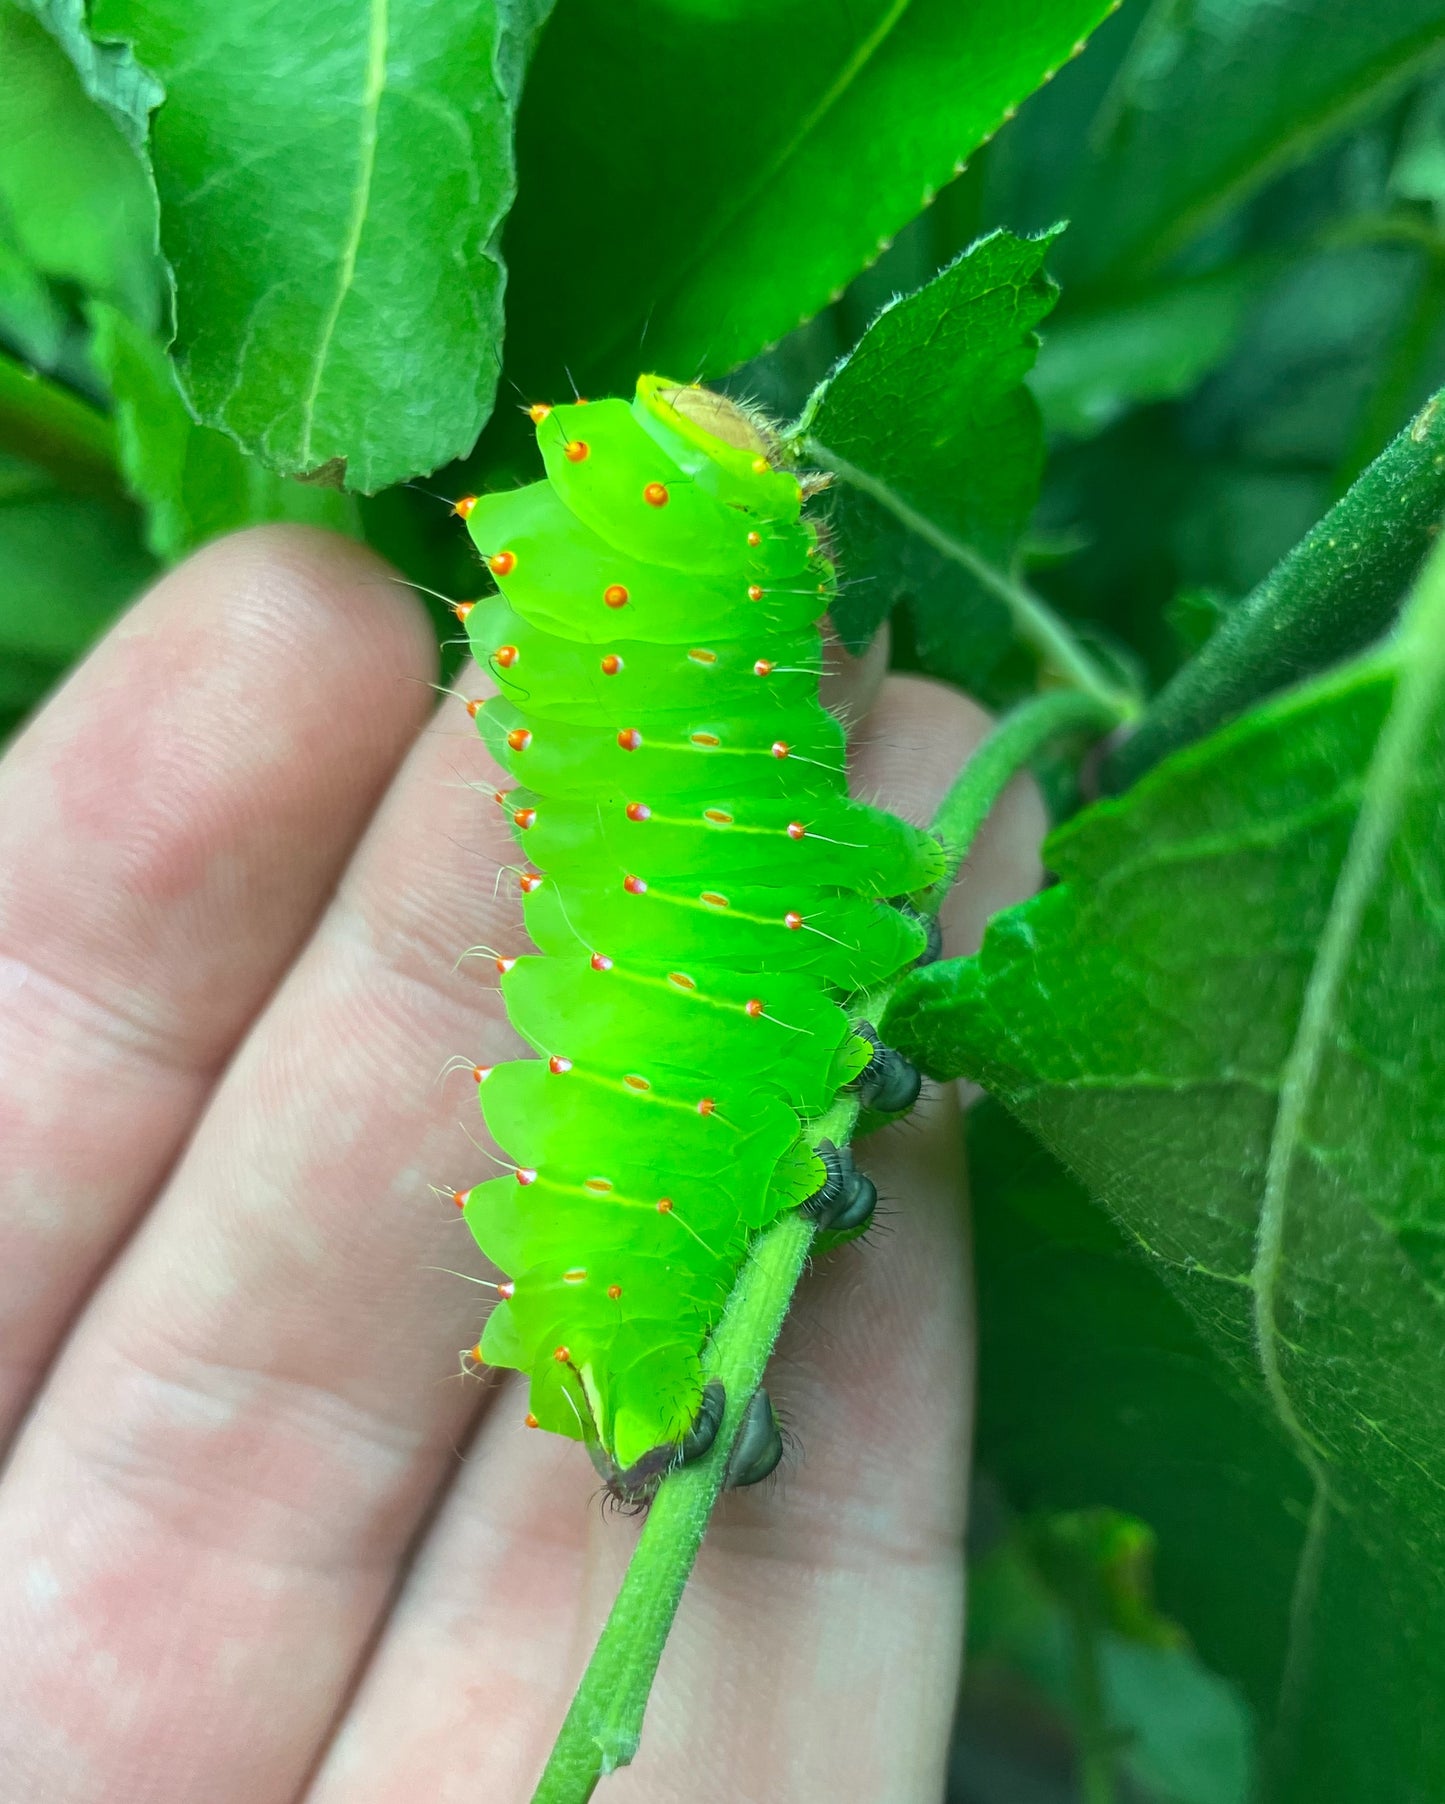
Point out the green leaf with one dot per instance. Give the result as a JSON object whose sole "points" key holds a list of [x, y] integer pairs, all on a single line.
{"points": [[937, 449], [75, 200], [1227, 1019], [109, 73], [928, 415], [697, 183], [1096, 1388], [333, 180], [194, 482], [1215, 97], [1097, 363], [67, 565], [1124, 1683]]}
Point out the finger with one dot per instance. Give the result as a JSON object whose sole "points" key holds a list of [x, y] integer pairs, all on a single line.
{"points": [[169, 827], [261, 1401], [817, 1647]]}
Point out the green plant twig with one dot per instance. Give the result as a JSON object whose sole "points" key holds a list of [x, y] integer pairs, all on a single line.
{"points": [[49, 426], [1017, 739], [604, 1722], [1060, 654], [1335, 592]]}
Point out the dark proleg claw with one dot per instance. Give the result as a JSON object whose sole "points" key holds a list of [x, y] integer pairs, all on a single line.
{"points": [[759, 1445]]}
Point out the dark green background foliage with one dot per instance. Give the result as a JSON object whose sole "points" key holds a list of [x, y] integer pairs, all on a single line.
{"points": [[244, 245]]}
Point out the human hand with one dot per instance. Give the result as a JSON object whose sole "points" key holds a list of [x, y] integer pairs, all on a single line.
{"points": [[256, 1544]]}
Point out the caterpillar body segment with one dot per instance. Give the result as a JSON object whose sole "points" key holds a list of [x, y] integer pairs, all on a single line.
{"points": [[705, 899]]}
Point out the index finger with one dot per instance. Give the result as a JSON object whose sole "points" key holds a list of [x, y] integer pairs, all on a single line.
{"points": [[170, 825]]}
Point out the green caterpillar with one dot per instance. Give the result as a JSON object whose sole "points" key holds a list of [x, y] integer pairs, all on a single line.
{"points": [[704, 897]]}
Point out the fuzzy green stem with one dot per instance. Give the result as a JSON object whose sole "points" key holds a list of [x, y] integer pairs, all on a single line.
{"points": [[1329, 597], [1060, 654], [1014, 743], [47, 425], [604, 1722]]}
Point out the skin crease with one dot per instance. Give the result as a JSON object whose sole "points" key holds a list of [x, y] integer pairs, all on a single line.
{"points": [[256, 1543]]}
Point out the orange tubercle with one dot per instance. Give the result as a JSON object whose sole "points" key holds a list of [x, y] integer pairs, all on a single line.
{"points": [[562, 1356], [615, 596], [638, 811], [502, 563], [504, 964], [519, 739], [529, 882], [664, 1205], [755, 592], [459, 1197], [635, 886], [464, 506], [655, 494], [506, 656], [762, 668], [506, 1290], [526, 1175], [714, 899], [755, 539], [600, 962], [530, 1420], [480, 1073], [558, 1066], [524, 817], [706, 1106], [461, 609], [611, 664], [793, 920], [753, 1008], [474, 707], [538, 412], [796, 830], [629, 739], [780, 748], [614, 1291], [577, 451]]}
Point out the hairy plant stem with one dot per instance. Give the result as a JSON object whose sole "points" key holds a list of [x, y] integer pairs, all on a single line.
{"points": [[47, 425], [604, 1722], [1060, 654], [1335, 592]]}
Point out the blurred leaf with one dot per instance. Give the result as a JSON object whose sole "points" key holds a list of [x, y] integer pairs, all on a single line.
{"points": [[927, 423], [32, 319], [194, 482], [1196, 615], [67, 565], [1094, 365], [1226, 1017], [75, 200], [109, 73], [1419, 168], [1215, 97], [1136, 1698], [765, 152], [332, 185]]}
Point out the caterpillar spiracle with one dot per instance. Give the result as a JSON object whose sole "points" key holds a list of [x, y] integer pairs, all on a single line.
{"points": [[708, 907]]}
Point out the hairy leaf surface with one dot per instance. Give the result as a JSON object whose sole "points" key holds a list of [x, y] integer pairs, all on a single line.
{"points": [[938, 448], [1228, 1019]]}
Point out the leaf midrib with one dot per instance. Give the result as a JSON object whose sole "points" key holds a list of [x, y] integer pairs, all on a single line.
{"points": [[1420, 683], [372, 90]]}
